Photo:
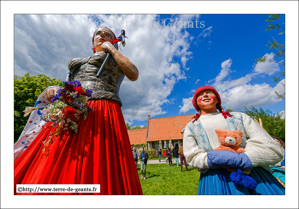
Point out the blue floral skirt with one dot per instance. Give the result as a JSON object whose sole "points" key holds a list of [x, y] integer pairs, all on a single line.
{"points": [[278, 173], [217, 182]]}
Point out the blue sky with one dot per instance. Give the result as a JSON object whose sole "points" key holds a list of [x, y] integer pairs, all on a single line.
{"points": [[173, 58]]}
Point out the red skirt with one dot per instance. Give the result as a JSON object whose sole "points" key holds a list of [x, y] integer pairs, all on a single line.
{"points": [[100, 153]]}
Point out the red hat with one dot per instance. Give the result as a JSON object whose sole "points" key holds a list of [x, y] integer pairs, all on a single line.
{"points": [[203, 88]]}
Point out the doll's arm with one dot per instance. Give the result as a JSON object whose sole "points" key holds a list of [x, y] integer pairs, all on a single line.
{"points": [[261, 148], [126, 66], [195, 157]]}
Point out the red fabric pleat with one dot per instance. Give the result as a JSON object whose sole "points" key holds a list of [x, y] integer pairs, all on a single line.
{"points": [[100, 153]]}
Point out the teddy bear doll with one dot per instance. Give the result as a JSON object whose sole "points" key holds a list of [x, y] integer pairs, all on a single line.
{"points": [[230, 141]]}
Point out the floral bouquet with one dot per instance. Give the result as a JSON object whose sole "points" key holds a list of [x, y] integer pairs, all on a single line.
{"points": [[69, 102]]}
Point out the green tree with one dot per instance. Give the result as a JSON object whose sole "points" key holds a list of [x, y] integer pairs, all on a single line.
{"points": [[134, 127], [26, 90], [279, 48], [273, 124], [128, 126], [138, 127]]}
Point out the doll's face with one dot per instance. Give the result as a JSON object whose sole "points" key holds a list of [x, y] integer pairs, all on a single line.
{"points": [[206, 100], [102, 35]]}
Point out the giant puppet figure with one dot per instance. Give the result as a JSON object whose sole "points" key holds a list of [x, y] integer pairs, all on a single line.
{"points": [[100, 153], [200, 141]]}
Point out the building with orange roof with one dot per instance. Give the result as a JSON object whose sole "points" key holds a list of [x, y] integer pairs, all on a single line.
{"points": [[161, 132], [137, 137]]}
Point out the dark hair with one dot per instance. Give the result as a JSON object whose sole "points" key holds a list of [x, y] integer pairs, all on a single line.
{"points": [[219, 107], [282, 143], [176, 146]]}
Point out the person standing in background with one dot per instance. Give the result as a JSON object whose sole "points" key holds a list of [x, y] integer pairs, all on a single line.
{"points": [[144, 157], [175, 153], [160, 153], [168, 154], [136, 156], [182, 157]]}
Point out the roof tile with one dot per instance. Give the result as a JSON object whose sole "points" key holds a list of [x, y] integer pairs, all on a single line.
{"points": [[137, 136], [168, 127]]}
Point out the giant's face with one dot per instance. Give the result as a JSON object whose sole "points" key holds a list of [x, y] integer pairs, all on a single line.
{"points": [[206, 100], [102, 35]]}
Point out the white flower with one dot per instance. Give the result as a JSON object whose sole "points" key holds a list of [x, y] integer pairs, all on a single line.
{"points": [[50, 106], [28, 110]]}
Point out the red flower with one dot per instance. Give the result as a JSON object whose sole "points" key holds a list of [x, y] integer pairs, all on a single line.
{"points": [[69, 100], [69, 112], [79, 90], [64, 97], [69, 87]]}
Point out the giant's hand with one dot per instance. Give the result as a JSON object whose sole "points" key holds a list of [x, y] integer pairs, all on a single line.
{"points": [[107, 47], [227, 159], [51, 92]]}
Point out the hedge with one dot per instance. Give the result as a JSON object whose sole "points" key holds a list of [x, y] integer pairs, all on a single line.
{"points": [[153, 153]]}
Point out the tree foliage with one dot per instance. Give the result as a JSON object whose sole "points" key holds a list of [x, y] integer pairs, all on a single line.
{"points": [[279, 48], [134, 127], [229, 110], [26, 90], [128, 126], [273, 124]]}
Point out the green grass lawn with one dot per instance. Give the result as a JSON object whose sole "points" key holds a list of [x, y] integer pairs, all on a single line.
{"points": [[162, 179], [156, 158]]}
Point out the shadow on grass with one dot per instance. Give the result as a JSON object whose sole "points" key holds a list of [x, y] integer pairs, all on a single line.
{"points": [[191, 168], [152, 176]]}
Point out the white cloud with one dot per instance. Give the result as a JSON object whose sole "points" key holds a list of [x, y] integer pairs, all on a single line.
{"points": [[247, 95], [282, 114], [187, 105], [206, 32], [268, 67], [225, 70], [197, 81], [45, 44], [280, 87], [233, 83], [239, 93]]}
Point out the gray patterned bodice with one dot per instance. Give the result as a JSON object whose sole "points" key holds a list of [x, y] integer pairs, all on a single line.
{"points": [[107, 85]]}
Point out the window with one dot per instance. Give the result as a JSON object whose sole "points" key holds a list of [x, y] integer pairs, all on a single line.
{"points": [[156, 145]]}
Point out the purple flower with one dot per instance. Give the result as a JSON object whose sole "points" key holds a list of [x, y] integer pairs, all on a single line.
{"points": [[88, 92], [61, 92], [69, 82], [76, 83], [55, 97]]}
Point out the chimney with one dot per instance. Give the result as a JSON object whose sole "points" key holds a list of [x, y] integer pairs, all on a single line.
{"points": [[148, 119]]}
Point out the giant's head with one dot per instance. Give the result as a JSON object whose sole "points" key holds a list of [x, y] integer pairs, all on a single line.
{"points": [[206, 97], [100, 36]]}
